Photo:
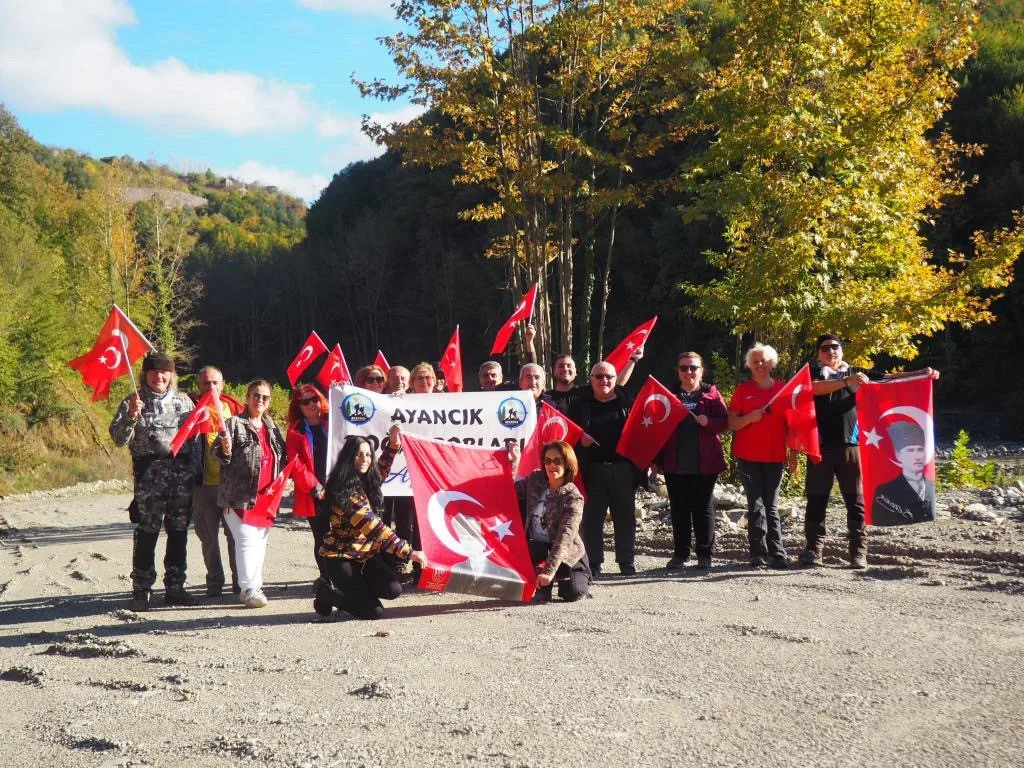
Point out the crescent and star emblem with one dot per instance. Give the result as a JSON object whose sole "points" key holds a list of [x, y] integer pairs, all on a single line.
{"points": [[559, 429], [113, 352], [647, 421], [792, 398], [304, 355], [468, 541]]}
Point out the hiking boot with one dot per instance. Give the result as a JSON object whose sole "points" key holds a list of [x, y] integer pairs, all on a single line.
{"points": [[677, 562], [140, 600], [213, 590], [704, 563], [758, 561], [779, 562], [858, 561], [627, 569], [178, 596], [811, 558]]}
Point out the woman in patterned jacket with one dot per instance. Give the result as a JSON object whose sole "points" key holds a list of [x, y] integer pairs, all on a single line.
{"points": [[554, 510], [352, 548]]}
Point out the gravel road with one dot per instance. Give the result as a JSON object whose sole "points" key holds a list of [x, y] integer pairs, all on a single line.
{"points": [[915, 662]]}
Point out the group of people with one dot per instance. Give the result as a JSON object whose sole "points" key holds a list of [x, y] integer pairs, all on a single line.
{"points": [[364, 545]]}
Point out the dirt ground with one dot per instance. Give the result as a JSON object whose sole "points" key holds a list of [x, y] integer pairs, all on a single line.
{"points": [[918, 661]]}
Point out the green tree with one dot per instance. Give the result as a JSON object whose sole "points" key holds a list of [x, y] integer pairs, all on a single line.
{"points": [[823, 160]]}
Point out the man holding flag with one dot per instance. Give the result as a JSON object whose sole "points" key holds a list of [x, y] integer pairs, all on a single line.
{"points": [[835, 402], [147, 422]]}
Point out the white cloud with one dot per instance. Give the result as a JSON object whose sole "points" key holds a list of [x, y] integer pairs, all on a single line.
{"points": [[364, 7], [358, 146], [58, 54], [307, 187]]}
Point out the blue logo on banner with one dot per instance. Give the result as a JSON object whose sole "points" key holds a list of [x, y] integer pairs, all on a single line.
{"points": [[512, 412], [357, 409]]}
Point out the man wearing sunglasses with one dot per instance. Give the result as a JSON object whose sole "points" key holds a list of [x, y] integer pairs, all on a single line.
{"points": [[835, 403], [601, 410]]}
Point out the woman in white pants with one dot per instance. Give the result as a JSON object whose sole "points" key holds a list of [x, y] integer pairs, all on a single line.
{"points": [[252, 452]]}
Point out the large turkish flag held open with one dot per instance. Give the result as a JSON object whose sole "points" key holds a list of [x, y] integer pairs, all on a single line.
{"points": [[119, 345], [897, 450], [469, 520]]}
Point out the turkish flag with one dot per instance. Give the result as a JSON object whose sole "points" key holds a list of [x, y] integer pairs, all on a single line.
{"points": [[897, 450], [551, 425], [311, 350], [523, 311], [205, 418], [269, 499], [469, 520], [382, 362], [451, 363], [619, 356], [119, 345], [335, 370], [655, 414], [796, 402]]}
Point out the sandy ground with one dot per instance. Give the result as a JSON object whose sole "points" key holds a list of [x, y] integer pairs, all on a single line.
{"points": [[918, 661]]}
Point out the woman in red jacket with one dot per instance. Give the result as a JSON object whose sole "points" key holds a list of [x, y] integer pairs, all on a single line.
{"points": [[307, 440]]}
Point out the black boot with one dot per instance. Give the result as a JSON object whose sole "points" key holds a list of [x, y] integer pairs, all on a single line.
{"points": [[178, 596], [140, 600], [326, 597]]}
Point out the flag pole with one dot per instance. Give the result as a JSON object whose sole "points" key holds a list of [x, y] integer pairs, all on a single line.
{"points": [[127, 360]]}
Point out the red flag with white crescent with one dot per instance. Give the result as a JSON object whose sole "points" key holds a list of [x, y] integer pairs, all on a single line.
{"points": [[551, 425], [269, 499], [311, 350], [382, 362], [451, 363], [205, 418], [469, 520], [897, 450], [118, 345], [335, 370], [619, 356], [655, 414], [523, 311], [796, 402]]}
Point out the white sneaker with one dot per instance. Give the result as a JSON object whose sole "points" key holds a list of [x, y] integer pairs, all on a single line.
{"points": [[244, 595], [256, 599]]}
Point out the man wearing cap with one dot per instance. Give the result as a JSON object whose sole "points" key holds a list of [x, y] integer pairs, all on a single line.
{"points": [[835, 403], [910, 497], [146, 422]]}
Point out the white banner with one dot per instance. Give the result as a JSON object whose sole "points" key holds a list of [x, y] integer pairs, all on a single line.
{"points": [[483, 419]]}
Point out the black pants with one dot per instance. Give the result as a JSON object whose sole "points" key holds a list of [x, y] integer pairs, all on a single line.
{"points": [[363, 585], [692, 501], [319, 524], [841, 463], [609, 486], [573, 581], [761, 483], [400, 515]]}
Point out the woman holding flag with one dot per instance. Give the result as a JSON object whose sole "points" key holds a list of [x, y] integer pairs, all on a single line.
{"points": [[691, 461], [353, 547], [760, 448], [252, 452], [554, 511]]}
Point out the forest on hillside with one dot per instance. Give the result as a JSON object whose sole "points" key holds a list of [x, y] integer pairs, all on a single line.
{"points": [[757, 171]]}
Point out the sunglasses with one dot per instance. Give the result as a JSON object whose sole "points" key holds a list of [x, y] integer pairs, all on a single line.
{"points": [[689, 368], [375, 379], [555, 462], [603, 376], [830, 347], [260, 398], [309, 401]]}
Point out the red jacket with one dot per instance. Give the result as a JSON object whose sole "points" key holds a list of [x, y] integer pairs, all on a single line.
{"points": [[304, 475]]}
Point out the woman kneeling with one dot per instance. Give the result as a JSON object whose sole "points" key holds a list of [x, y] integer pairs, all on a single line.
{"points": [[554, 510], [356, 538]]}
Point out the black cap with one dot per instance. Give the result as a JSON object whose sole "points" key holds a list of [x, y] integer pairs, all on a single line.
{"points": [[157, 361], [826, 337]]}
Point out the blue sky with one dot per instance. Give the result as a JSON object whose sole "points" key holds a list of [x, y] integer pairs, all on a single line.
{"points": [[257, 89]]}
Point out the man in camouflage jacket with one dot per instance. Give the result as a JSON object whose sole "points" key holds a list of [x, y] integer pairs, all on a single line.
{"points": [[146, 422]]}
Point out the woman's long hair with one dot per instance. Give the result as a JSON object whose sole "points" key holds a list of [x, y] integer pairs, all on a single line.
{"points": [[344, 480], [300, 393]]}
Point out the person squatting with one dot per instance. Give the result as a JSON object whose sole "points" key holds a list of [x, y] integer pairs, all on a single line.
{"points": [[366, 546]]}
